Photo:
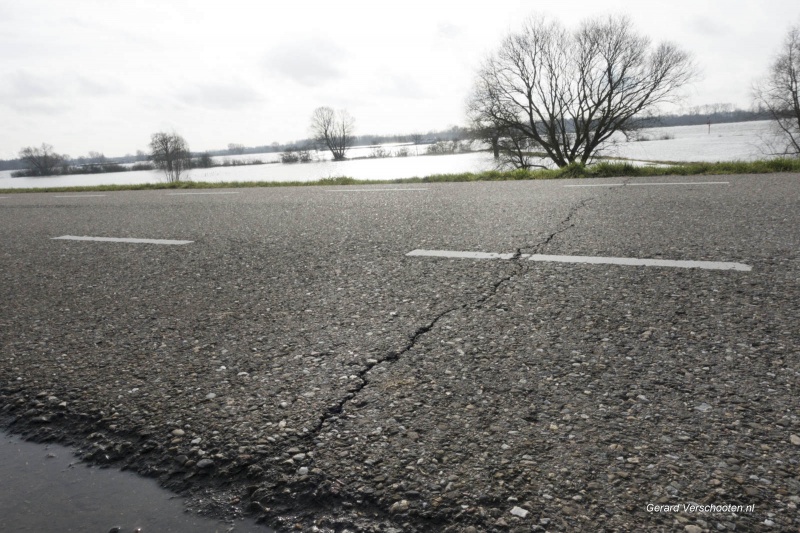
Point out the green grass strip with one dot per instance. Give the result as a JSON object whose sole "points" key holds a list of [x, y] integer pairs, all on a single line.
{"points": [[600, 170]]}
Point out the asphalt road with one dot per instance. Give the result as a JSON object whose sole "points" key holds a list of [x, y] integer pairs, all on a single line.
{"points": [[334, 381]]}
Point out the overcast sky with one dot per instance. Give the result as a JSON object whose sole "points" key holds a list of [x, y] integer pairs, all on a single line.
{"points": [[103, 75]]}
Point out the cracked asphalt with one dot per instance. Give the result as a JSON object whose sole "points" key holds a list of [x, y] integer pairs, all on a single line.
{"points": [[292, 363]]}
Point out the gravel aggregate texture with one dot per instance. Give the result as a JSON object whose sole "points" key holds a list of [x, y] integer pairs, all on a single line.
{"points": [[293, 364]]}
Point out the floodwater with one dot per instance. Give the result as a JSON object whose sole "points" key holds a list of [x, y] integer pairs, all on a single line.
{"points": [[738, 141], [45, 489], [735, 141], [364, 169]]}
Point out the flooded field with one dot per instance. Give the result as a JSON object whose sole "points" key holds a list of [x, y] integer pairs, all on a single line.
{"points": [[742, 141], [736, 141], [374, 169]]}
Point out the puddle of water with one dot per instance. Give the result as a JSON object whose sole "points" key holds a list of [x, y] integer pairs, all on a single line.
{"points": [[45, 489]]}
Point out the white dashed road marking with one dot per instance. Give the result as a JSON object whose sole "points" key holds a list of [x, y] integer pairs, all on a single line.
{"points": [[629, 261], [372, 190], [196, 193], [114, 239], [625, 261], [596, 185], [459, 255], [654, 184], [81, 196]]}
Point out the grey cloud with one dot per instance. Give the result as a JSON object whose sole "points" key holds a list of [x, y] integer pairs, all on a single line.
{"points": [[310, 62], [22, 84], [117, 33], [89, 87], [404, 87], [38, 108], [79, 22], [31, 94], [709, 27], [445, 30], [220, 95]]}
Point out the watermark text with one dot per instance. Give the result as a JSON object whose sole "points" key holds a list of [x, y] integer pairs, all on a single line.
{"points": [[700, 509]]}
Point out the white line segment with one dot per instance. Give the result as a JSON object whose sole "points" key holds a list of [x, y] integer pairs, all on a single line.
{"points": [[629, 261], [196, 193], [654, 184], [371, 190], [458, 255], [597, 185], [115, 239], [81, 196], [680, 183], [625, 261]]}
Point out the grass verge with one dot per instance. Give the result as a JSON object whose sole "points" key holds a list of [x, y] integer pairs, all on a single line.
{"points": [[599, 170]]}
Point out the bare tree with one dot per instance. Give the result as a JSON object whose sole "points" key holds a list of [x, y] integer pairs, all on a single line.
{"points": [[235, 148], [568, 92], [96, 157], [416, 138], [205, 160], [779, 95], [42, 161], [333, 130], [170, 153]]}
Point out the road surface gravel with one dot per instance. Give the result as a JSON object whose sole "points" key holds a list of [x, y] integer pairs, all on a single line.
{"points": [[293, 364]]}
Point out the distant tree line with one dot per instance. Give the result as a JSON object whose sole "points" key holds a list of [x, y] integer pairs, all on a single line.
{"points": [[716, 113], [95, 161], [300, 150], [453, 133], [42, 160]]}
